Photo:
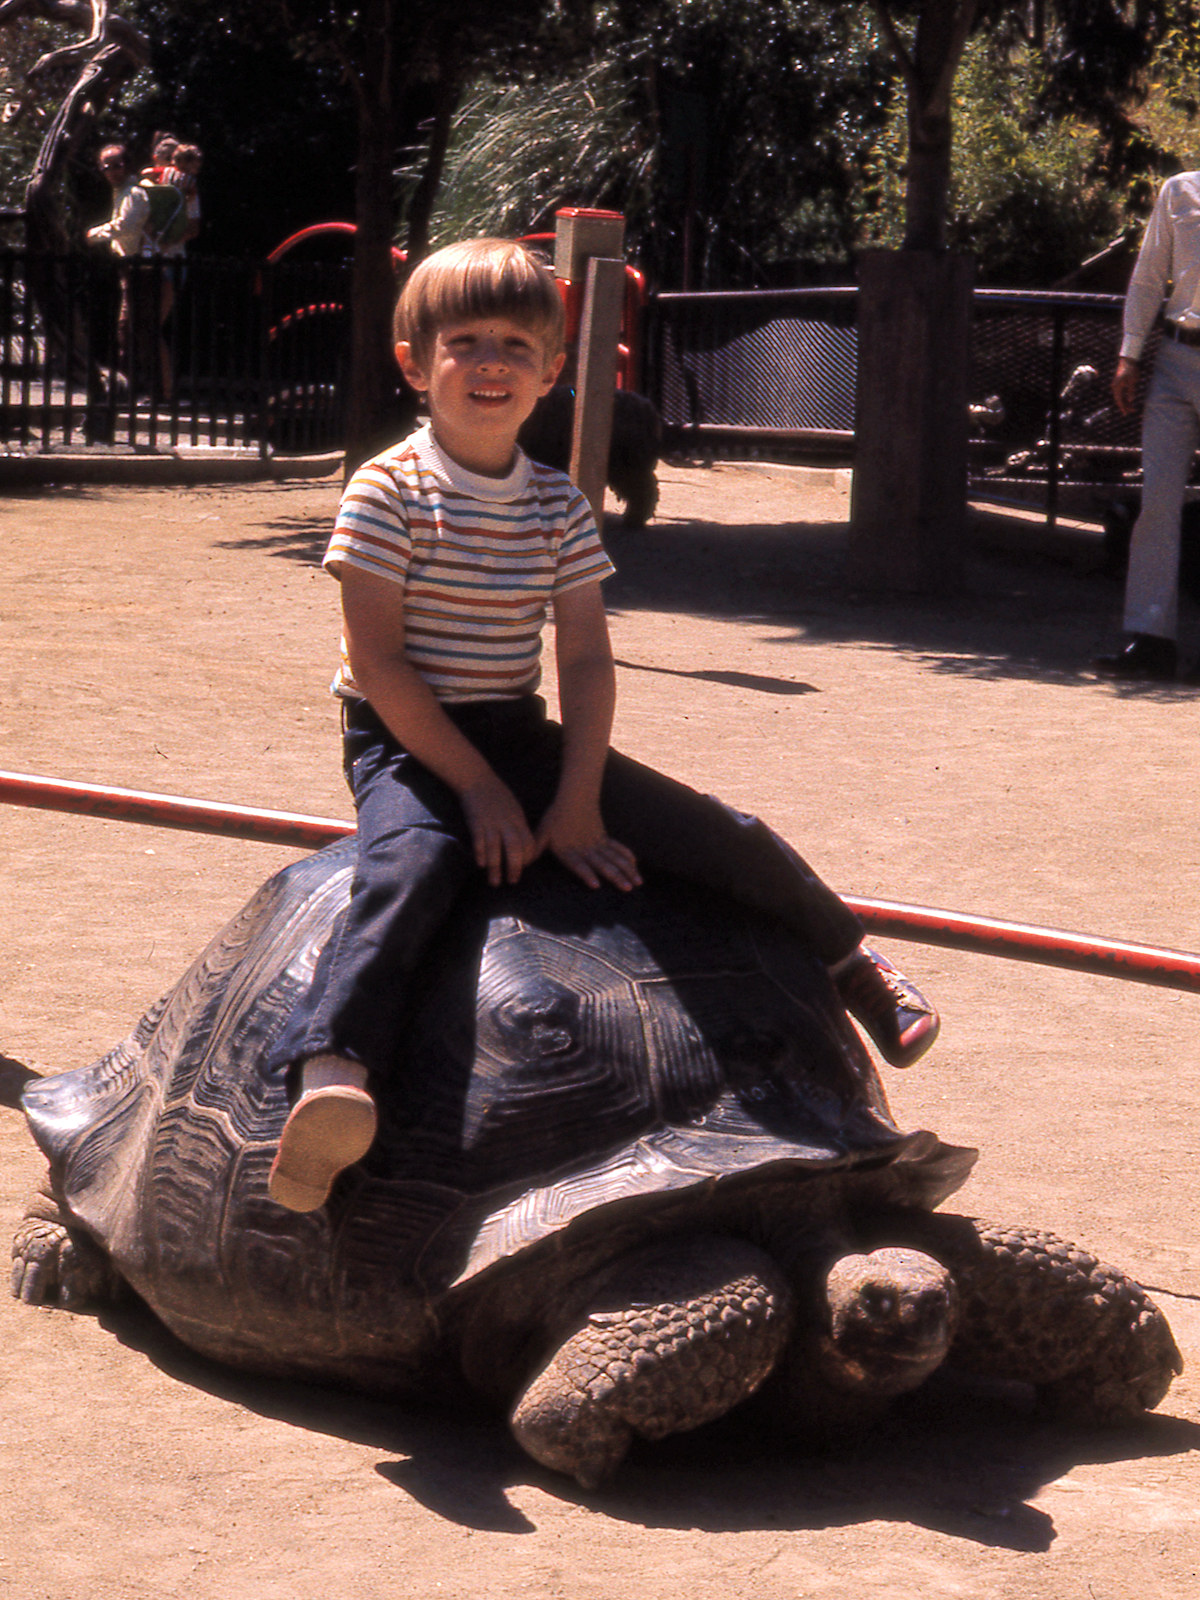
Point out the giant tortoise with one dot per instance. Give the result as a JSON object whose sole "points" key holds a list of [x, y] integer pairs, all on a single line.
{"points": [[634, 1164]]}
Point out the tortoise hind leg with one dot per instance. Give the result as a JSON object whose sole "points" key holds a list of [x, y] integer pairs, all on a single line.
{"points": [[57, 1264], [1037, 1308], [671, 1338]]}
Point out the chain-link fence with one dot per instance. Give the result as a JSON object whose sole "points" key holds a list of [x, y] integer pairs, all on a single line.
{"points": [[773, 374]]}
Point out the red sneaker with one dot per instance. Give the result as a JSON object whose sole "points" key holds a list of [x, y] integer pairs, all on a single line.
{"points": [[893, 1011]]}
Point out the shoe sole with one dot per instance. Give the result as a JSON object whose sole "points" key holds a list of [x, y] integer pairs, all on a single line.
{"points": [[913, 1048], [327, 1131]]}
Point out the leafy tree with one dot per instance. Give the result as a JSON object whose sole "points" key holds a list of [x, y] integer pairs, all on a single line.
{"points": [[24, 114], [389, 54], [276, 124], [1091, 58], [66, 88], [1026, 196], [729, 133]]}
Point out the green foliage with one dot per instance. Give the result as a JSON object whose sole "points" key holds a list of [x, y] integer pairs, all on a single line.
{"points": [[520, 150], [1168, 116], [729, 134], [1025, 197], [25, 114]]}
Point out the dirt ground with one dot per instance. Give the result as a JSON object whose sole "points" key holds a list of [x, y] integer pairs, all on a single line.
{"points": [[956, 755]]}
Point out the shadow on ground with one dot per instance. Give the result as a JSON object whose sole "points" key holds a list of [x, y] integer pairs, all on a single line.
{"points": [[1035, 605], [964, 1462], [1032, 607]]}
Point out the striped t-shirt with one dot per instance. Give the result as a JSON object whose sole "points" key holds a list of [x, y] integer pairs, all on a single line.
{"points": [[476, 561]]}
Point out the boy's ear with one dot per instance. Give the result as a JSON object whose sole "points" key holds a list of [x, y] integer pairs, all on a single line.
{"points": [[408, 365], [553, 368]]}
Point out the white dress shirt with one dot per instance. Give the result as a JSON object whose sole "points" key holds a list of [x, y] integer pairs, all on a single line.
{"points": [[1170, 256]]}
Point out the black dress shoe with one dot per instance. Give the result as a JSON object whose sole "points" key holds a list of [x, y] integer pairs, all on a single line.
{"points": [[1144, 655]]}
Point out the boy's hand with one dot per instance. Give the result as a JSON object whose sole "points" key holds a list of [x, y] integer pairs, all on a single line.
{"points": [[578, 839], [504, 845]]}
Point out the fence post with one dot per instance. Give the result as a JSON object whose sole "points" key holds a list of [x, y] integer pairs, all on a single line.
{"points": [[909, 500], [1053, 465], [588, 251]]}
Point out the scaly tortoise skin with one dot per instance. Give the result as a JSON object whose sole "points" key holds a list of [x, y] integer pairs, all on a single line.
{"points": [[634, 1165]]}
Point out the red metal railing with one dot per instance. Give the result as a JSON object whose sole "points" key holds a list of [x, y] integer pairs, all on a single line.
{"points": [[1018, 941], [171, 811]]}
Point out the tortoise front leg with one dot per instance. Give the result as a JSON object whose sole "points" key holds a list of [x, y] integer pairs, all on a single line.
{"points": [[57, 1264], [1037, 1308], [668, 1339]]}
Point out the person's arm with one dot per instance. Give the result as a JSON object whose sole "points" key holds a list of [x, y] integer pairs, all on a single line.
{"points": [[1124, 384], [127, 225], [1147, 283], [573, 828], [400, 697]]}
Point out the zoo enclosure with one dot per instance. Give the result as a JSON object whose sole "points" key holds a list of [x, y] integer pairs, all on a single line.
{"points": [[772, 373], [259, 355]]}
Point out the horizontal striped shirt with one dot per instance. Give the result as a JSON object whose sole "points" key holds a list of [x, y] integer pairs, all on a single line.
{"points": [[476, 562]]}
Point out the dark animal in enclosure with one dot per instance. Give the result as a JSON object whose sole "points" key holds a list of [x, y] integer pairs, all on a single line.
{"points": [[632, 456]]}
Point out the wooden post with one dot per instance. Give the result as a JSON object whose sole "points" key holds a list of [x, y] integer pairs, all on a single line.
{"points": [[588, 252], [909, 501]]}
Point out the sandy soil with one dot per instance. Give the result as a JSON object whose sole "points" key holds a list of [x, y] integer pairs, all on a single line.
{"points": [[955, 755]]}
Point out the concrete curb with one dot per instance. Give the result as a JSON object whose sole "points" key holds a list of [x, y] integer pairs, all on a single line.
{"points": [[160, 469]]}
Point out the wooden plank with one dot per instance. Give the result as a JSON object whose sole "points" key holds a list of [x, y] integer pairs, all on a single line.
{"points": [[596, 378]]}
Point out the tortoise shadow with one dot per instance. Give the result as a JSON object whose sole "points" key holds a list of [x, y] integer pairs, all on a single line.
{"points": [[14, 1075], [958, 1459]]}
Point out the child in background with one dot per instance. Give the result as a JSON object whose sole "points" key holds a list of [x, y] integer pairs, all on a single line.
{"points": [[450, 548], [183, 171]]}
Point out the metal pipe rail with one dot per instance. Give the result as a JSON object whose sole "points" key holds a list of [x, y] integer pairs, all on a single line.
{"points": [[171, 811], [955, 930]]}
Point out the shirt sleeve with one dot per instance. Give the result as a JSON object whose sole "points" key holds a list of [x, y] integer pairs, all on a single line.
{"points": [[581, 556], [372, 527], [1148, 282], [127, 226]]}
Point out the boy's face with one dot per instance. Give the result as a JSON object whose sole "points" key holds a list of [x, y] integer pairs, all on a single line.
{"points": [[482, 378]]}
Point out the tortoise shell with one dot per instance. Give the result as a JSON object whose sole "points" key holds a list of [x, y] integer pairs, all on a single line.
{"points": [[579, 1070]]}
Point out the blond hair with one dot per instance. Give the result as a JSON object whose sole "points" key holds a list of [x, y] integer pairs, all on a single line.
{"points": [[479, 278]]}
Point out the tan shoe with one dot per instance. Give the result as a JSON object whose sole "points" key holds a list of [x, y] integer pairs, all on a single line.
{"points": [[331, 1126]]}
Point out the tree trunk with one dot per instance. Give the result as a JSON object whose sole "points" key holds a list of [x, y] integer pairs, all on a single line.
{"points": [[371, 407], [420, 213], [926, 193], [909, 510], [909, 503]]}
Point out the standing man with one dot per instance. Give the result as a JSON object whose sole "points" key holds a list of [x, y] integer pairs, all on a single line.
{"points": [[125, 230], [1169, 258], [145, 301]]}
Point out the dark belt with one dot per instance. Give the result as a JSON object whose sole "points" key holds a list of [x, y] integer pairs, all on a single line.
{"points": [[1181, 335]]}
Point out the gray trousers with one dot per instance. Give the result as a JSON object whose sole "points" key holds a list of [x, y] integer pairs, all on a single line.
{"points": [[1170, 437]]}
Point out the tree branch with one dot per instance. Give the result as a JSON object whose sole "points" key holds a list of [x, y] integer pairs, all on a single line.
{"points": [[896, 44], [964, 21]]}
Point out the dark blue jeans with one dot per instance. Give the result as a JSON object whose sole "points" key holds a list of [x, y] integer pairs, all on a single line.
{"points": [[415, 859]]}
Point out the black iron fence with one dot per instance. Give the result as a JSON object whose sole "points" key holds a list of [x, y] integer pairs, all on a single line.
{"points": [[144, 354], [148, 354], [772, 373]]}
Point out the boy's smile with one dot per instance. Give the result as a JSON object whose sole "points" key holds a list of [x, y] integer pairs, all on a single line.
{"points": [[482, 378]]}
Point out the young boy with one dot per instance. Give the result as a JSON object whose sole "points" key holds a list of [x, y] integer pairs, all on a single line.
{"points": [[450, 547]]}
